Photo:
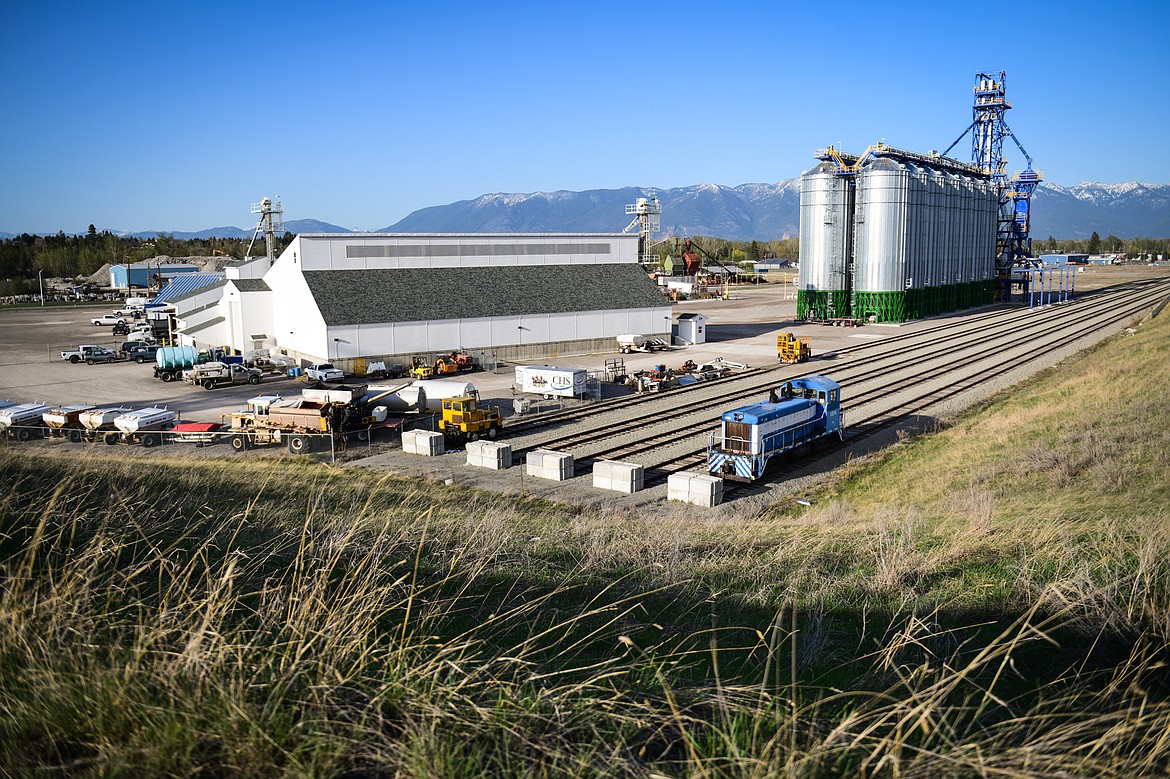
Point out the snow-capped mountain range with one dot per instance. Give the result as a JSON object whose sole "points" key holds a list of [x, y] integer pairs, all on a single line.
{"points": [[746, 212], [771, 211]]}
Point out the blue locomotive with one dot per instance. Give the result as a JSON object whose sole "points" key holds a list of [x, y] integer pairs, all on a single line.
{"points": [[803, 411]]}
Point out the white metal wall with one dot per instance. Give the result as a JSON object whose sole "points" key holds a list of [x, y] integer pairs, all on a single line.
{"points": [[491, 332], [297, 323], [329, 252]]}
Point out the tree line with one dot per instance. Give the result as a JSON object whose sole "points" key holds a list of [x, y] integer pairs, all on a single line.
{"points": [[73, 256], [1110, 244]]}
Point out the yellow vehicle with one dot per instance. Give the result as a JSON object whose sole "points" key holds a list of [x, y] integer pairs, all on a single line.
{"points": [[791, 349], [420, 369], [463, 419]]}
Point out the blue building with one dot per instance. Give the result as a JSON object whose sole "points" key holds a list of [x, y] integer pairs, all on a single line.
{"points": [[1064, 259], [147, 274]]}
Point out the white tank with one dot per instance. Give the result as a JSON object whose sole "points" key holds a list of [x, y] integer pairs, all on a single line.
{"points": [[397, 398], [438, 390], [22, 414], [100, 418], [144, 419]]}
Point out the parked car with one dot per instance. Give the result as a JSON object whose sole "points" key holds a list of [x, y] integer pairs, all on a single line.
{"points": [[142, 353], [107, 319], [100, 354], [132, 343], [323, 371], [121, 329], [129, 311]]}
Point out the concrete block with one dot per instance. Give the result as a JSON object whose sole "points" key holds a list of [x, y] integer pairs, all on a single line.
{"points": [[695, 488], [423, 442], [489, 454], [618, 476], [544, 464]]}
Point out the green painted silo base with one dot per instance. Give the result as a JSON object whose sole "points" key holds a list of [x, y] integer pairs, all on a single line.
{"points": [[821, 303], [921, 303]]}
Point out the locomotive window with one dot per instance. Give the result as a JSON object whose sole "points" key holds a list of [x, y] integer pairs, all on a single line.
{"points": [[832, 396]]}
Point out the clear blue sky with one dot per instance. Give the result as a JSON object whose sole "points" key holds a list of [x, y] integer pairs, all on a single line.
{"points": [[169, 116]]}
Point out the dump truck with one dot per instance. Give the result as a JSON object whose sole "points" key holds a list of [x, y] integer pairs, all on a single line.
{"points": [[210, 375], [792, 350], [464, 420], [320, 419]]}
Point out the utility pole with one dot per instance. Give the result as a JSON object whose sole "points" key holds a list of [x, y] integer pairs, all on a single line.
{"points": [[41, 281]]}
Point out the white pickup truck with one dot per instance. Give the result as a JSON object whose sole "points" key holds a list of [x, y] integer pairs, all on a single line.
{"points": [[91, 353], [323, 371]]}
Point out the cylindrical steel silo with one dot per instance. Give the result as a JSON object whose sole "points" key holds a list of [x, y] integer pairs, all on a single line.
{"points": [[826, 222], [880, 257]]}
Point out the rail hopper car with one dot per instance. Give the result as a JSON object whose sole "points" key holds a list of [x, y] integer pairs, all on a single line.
{"points": [[801, 412]]}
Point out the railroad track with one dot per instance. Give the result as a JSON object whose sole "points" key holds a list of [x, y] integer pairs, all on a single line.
{"points": [[918, 370]]}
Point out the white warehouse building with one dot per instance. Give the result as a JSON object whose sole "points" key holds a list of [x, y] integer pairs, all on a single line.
{"points": [[350, 298]]}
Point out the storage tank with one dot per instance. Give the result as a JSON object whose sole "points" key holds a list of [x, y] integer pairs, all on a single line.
{"points": [[400, 399], [438, 390], [826, 227], [170, 357], [880, 256]]}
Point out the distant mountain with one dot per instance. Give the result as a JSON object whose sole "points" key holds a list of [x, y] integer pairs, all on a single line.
{"points": [[1126, 210], [296, 226], [744, 212], [771, 211], [747, 212]]}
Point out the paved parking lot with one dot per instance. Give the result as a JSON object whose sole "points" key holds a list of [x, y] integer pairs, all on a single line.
{"points": [[742, 329]]}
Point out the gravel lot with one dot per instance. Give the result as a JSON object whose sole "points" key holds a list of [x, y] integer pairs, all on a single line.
{"points": [[742, 329]]}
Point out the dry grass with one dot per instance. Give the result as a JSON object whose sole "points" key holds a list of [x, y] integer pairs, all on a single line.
{"points": [[988, 601]]}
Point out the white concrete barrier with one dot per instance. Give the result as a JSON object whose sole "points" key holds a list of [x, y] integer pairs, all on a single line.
{"points": [[489, 454], [423, 442], [695, 488], [618, 476], [545, 464]]}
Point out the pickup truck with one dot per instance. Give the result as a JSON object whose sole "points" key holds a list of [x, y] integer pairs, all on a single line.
{"points": [[141, 353], [91, 353], [323, 371], [210, 375], [107, 319]]}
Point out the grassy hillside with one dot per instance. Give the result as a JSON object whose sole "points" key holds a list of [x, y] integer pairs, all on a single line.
{"points": [[991, 600]]}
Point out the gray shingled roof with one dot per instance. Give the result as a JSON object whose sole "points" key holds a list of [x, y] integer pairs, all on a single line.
{"points": [[356, 297], [251, 285]]}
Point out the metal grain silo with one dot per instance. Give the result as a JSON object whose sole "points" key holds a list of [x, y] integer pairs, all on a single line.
{"points": [[881, 262], [826, 227]]}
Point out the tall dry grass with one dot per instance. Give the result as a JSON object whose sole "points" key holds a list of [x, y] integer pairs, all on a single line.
{"points": [[991, 600]]}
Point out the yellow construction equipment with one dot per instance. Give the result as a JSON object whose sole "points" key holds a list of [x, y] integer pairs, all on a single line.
{"points": [[791, 349], [463, 419], [420, 369]]}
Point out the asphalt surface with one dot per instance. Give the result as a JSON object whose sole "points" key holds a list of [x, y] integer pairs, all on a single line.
{"points": [[742, 329]]}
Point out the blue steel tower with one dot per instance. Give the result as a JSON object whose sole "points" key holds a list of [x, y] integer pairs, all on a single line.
{"points": [[988, 130]]}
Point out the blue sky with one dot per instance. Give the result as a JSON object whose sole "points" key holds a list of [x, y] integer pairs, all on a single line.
{"points": [[168, 116]]}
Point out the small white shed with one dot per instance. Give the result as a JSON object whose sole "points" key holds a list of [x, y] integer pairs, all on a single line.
{"points": [[692, 328]]}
